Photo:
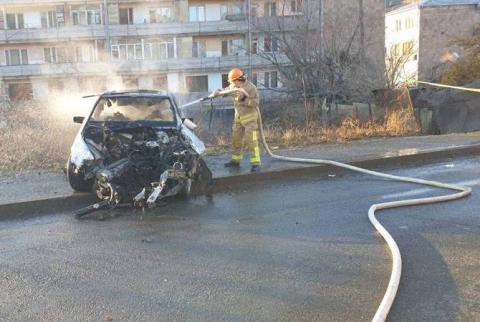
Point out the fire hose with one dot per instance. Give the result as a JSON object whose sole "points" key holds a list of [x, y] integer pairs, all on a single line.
{"points": [[393, 284]]}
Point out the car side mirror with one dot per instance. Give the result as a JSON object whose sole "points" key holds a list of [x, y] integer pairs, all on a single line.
{"points": [[78, 119], [188, 122], [187, 118]]}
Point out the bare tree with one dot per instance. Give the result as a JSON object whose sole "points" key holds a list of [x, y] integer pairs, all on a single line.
{"points": [[396, 61], [319, 57]]}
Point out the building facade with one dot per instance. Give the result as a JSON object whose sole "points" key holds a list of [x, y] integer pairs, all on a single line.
{"points": [[88, 46], [430, 28]]}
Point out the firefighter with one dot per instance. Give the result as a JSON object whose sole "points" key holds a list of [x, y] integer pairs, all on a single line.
{"points": [[245, 124]]}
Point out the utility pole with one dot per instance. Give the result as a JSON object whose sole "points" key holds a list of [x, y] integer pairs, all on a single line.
{"points": [[108, 42], [249, 36], [321, 16]]}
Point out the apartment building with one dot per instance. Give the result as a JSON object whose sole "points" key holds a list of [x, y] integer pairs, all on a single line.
{"points": [[430, 28], [88, 46], [53, 46]]}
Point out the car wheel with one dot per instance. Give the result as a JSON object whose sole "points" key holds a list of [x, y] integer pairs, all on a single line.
{"points": [[186, 190], [76, 180], [202, 183]]}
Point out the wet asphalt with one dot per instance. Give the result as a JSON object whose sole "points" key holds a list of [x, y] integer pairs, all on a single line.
{"points": [[284, 250]]}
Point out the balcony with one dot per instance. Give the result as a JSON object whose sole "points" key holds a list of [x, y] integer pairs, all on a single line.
{"points": [[37, 2], [180, 29], [214, 64], [140, 30], [52, 34]]}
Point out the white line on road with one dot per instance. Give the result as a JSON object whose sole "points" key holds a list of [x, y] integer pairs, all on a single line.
{"points": [[415, 192]]}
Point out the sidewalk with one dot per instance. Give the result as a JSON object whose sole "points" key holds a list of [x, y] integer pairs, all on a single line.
{"points": [[42, 185]]}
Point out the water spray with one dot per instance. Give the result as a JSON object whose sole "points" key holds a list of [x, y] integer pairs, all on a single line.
{"points": [[392, 288]]}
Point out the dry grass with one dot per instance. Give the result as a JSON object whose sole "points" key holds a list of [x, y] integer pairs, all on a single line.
{"points": [[34, 139], [398, 123]]}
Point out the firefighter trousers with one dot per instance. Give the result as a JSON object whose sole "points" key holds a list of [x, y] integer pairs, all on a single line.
{"points": [[245, 133]]}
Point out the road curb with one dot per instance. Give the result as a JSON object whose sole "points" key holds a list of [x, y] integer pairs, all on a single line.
{"points": [[227, 182], [78, 200]]}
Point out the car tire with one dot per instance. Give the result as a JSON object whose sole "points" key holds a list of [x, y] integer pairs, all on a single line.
{"points": [[75, 179], [202, 183]]}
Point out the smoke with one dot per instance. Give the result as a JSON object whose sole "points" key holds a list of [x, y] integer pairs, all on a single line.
{"points": [[63, 107]]}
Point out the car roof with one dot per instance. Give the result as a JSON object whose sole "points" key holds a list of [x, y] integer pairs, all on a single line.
{"points": [[142, 92]]}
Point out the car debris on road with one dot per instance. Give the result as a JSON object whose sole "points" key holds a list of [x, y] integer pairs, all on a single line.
{"points": [[136, 149]]}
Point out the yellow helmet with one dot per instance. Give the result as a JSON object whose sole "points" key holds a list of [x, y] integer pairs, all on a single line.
{"points": [[235, 74]]}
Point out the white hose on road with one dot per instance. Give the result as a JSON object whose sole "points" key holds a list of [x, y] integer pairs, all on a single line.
{"points": [[390, 293]]}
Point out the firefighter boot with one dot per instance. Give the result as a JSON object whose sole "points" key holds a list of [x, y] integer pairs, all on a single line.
{"points": [[255, 168]]}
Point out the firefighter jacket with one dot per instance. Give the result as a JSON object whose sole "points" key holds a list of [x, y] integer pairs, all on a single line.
{"points": [[246, 110]]}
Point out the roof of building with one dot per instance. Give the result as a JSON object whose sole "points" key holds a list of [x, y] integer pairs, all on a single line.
{"points": [[435, 3]]}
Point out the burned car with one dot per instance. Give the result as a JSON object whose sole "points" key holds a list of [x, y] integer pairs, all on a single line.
{"points": [[135, 149]]}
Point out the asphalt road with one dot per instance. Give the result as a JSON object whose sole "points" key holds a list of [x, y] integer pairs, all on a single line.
{"points": [[291, 250]]}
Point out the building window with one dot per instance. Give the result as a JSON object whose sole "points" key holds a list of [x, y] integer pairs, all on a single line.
{"points": [[86, 16], [139, 52], [196, 14], [235, 47], [270, 9], [254, 10], [15, 21], [223, 11], [160, 15], [63, 55], [16, 56], [225, 82], [196, 83], [94, 17], [92, 54], [170, 50], [409, 23], [270, 44], [48, 19], [199, 49], [50, 55], [76, 17], [224, 47], [163, 50], [78, 54], [255, 79], [254, 46], [296, 6], [232, 47], [156, 51], [115, 52], [271, 80], [125, 16], [398, 25]]}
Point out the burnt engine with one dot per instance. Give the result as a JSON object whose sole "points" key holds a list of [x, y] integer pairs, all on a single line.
{"points": [[141, 165]]}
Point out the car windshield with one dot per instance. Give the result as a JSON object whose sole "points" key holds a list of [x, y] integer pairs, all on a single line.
{"points": [[126, 109]]}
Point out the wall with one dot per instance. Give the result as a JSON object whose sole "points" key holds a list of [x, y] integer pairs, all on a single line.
{"points": [[343, 17], [439, 27]]}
